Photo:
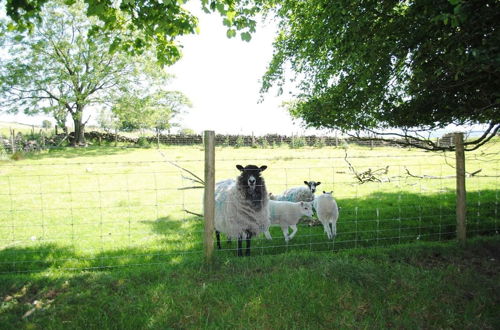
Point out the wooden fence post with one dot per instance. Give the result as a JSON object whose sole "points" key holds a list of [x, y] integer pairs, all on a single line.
{"points": [[461, 192], [12, 141], [209, 196]]}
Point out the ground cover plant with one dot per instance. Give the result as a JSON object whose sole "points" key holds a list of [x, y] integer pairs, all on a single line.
{"points": [[102, 207], [417, 285]]}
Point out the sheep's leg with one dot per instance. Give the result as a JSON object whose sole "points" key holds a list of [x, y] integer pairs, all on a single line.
{"points": [[328, 231], [294, 231], [334, 228], [240, 248], [285, 233], [217, 235], [268, 235], [249, 240]]}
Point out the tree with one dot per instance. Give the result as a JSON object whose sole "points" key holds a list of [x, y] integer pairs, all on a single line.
{"points": [[135, 26], [385, 65], [46, 124], [155, 110], [58, 69]]}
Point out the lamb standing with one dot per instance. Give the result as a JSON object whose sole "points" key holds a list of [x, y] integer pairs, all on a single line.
{"points": [[328, 213], [297, 194], [241, 206], [287, 214]]}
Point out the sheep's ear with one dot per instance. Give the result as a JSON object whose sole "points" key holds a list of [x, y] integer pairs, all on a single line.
{"points": [[307, 183], [239, 167], [324, 192], [318, 183], [263, 167]]}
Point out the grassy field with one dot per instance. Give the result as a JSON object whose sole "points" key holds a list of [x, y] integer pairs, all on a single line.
{"points": [[97, 238], [109, 207], [420, 285]]}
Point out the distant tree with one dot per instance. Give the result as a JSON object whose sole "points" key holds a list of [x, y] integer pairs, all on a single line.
{"points": [[187, 131], [107, 120], [155, 110], [46, 124], [404, 66], [60, 68]]}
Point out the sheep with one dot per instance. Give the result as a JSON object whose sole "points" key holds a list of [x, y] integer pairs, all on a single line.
{"points": [[297, 194], [287, 214], [328, 212], [241, 206]]}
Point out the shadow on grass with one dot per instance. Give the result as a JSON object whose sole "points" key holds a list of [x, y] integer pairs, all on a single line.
{"points": [[382, 219]]}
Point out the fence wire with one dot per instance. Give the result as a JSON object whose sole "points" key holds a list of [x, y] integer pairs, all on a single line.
{"points": [[131, 208]]}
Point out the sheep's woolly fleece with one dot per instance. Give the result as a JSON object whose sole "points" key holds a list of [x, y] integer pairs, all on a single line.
{"points": [[296, 194], [235, 215]]}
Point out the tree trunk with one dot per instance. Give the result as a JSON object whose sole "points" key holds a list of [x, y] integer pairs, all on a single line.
{"points": [[79, 138]]}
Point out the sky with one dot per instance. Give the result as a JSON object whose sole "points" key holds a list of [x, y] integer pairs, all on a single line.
{"points": [[221, 77]]}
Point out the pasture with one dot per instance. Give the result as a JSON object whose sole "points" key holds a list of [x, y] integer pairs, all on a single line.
{"points": [[98, 237], [104, 207]]}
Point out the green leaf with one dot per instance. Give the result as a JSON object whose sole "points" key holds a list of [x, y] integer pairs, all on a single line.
{"points": [[245, 36], [231, 33]]}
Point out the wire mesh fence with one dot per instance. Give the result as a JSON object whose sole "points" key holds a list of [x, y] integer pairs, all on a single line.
{"points": [[116, 207]]}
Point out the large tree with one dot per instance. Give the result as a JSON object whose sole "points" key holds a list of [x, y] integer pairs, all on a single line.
{"points": [[135, 26], [380, 65], [58, 68]]}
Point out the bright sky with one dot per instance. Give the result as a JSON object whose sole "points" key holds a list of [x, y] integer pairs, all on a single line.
{"points": [[221, 77]]}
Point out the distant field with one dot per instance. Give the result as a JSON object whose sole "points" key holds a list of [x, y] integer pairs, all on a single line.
{"points": [[108, 207]]}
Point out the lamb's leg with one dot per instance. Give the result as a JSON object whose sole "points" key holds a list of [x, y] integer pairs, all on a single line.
{"points": [[285, 233], [328, 231], [217, 235], [334, 228], [249, 240], [294, 231], [240, 249]]}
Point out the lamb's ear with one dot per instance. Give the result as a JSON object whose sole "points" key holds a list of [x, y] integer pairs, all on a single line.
{"points": [[239, 167], [318, 183], [307, 183], [324, 192], [263, 167]]}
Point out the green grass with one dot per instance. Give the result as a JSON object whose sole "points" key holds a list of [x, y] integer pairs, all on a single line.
{"points": [[108, 207], [422, 285], [96, 238]]}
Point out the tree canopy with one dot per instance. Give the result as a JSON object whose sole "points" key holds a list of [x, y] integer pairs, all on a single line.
{"points": [[58, 69], [135, 26], [411, 65]]}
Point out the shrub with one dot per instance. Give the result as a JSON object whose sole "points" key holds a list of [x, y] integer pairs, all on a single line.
{"points": [[298, 142], [240, 142]]}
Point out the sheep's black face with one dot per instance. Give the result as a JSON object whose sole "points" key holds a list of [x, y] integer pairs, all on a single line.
{"points": [[252, 182], [312, 185]]}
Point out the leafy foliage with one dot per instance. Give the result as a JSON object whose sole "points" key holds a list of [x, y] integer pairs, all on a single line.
{"points": [[59, 69], [389, 64], [135, 26]]}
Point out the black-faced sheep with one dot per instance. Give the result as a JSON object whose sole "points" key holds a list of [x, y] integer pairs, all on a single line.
{"points": [[298, 194], [241, 210]]}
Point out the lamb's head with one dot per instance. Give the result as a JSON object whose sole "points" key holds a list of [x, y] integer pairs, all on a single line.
{"points": [[312, 185], [252, 183], [306, 208]]}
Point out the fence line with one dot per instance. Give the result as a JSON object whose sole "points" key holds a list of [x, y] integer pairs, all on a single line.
{"points": [[131, 212]]}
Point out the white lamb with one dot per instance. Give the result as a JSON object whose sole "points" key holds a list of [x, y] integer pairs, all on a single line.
{"points": [[287, 214], [328, 213], [297, 194]]}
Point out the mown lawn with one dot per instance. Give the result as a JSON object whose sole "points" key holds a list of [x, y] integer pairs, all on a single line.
{"points": [[419, 285]]}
